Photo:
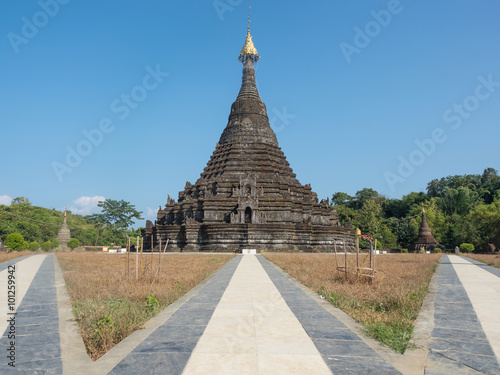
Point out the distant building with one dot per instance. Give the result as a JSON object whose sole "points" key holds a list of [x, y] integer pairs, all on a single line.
{"points": [[425, 239]]}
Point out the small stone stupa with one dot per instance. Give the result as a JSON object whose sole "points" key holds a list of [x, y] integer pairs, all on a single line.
{"points": [[247, 196], [64, 234], [425, 238]]}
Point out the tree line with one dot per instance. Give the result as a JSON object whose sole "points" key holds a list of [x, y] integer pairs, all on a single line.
{"points": [[459, 209], [38, 226]]}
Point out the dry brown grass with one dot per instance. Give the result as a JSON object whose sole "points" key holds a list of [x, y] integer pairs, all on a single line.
{"points": [[14, 254], [387, 308], [490, 259], [109, 306]]}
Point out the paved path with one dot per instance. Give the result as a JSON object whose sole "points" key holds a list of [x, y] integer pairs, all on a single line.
{"points": [[467, 306], [36, 330], [251, 318]]}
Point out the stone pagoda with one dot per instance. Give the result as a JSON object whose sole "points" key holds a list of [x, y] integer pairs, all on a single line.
{"points": [[64, 234], [425, 239], [247, 195]]}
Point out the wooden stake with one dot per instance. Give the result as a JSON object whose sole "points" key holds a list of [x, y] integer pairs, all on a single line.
{"points": [[159, 255], [128, 257], [335, 250], [151, 270], [345, 260], [357, 257], [159, 265], [142, 256], [371, 249], [137, 260]]}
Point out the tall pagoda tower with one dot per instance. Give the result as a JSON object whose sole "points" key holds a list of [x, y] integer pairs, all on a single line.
{"points": [[247, 195], [425, 238]]}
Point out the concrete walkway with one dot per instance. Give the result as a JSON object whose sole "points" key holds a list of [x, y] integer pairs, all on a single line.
{"points": [[465, 338], [251, 318], [34, 342], [253, 331]]}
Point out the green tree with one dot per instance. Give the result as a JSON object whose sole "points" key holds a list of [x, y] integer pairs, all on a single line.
{"points": [[458, 201], [33, 246], [486, 218], [15, 242], [340, 198], [118, 214], [458, 229], [365, 195], [389, 239], [73, 243], [370, 220], [20, 201], [490, 185], [466, 248], [404, 230], [345, 213]]}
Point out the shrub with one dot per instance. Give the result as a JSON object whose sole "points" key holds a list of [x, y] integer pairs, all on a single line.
{"points": [[363, 244], [33, 246], [46, 246], [15, 242], [404, 251], [437, 250], [73, 243], [466, 248], [379, 245], [54, 242]]}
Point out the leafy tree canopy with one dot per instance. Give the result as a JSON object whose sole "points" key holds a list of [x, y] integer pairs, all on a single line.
{"points": [[118, 214], [20, 201], [15, 242]]}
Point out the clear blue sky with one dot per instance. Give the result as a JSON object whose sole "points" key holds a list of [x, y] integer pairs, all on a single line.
{"points": [[347, 108]]}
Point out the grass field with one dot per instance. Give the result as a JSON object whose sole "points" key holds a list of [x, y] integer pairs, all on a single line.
{"points": [[15, 254], [387, 308], [490, 259], [109, 306]]}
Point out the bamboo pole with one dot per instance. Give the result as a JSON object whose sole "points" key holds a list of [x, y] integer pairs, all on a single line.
{"points": [[142, 255], [374, 260], [128, 257], [137, 260], [345, 260], [335, 250], [371, 249], [159, 265], [357, 256], [159, 255]]}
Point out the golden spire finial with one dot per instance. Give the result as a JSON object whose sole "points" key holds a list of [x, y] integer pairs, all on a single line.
{"points": [[249, 49]]}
